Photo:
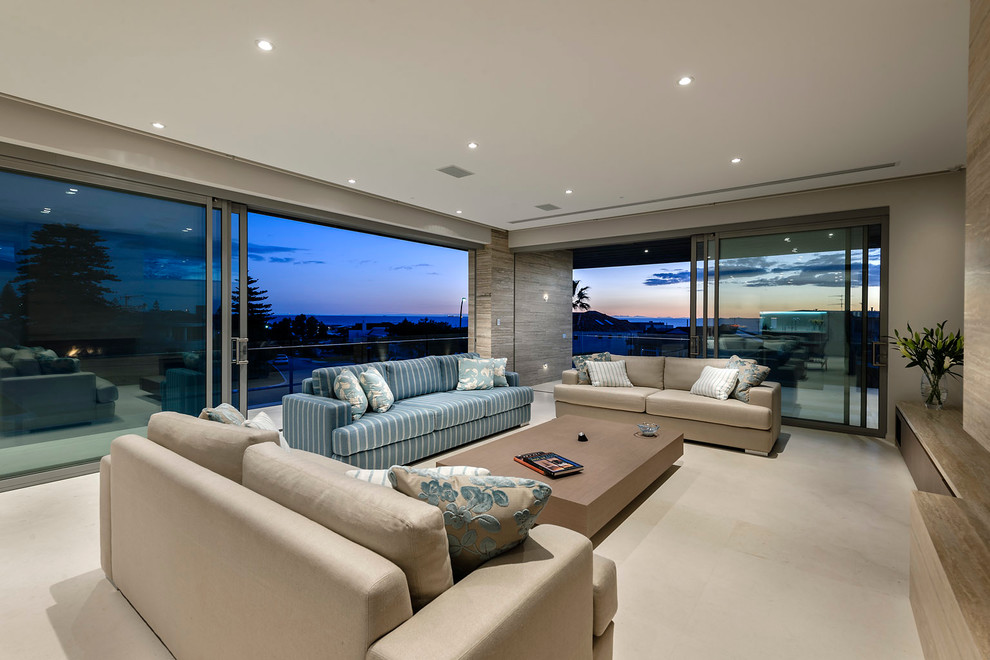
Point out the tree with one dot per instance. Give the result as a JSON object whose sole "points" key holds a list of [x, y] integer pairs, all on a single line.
{"points": [[10, 304], [61, 277], [579, 297], [259, 312]]}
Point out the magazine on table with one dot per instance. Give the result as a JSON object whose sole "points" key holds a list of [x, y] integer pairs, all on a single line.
{"points": [[548, 463]]}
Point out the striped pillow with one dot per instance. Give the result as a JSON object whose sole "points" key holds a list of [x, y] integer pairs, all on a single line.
{"points": [[608, 374], [380, 477], [716, 383]]}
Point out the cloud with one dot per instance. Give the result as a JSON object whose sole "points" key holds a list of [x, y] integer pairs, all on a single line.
{"points": [[411, 267], [255, 248], [661, 279], [255, 257], [826, 270], [281, 260], [363, 262], [434, 273], [311, 261]]}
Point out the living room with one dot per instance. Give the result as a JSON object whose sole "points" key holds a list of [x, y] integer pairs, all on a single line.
{"points": [[518, 306]]}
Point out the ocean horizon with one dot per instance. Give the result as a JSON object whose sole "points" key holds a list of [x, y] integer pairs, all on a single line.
{"points": [[354, 319]]}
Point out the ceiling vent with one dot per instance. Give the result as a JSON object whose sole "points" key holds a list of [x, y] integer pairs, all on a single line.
{"points": [[548, 207], [455, 171]]}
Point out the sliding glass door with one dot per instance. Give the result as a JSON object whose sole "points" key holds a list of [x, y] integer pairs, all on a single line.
{"points": [[806, 302]]}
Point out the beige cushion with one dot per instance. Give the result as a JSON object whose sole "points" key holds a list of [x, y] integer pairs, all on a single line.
{"points": [[731, 412], [681, 373], [409, 533], [217, 447], [484, 516], [643, 370], [606, 594], [631, 399]]}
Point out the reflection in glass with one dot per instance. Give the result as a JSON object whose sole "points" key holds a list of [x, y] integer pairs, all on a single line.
{"points": [[101, 299]]}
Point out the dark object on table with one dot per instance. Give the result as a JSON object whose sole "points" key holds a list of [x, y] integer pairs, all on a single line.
{"points": [[582, 437]]}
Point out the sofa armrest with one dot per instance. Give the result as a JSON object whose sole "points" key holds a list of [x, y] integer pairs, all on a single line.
{"points": [[106, 560], [504, 608], [512, 378], [767, 395], [569, 377], [308, 421]]}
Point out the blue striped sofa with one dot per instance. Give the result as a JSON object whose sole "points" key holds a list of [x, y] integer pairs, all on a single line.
{"points": [[429, 415]]}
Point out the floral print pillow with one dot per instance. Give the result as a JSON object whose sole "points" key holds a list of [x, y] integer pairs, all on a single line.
{"points": [[475, 374], [484, 516], [379, 395], [750, 375], [347, 387], [581, 364], [498, 372], [224, 413]]}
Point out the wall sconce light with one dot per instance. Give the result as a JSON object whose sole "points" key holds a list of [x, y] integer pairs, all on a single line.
{"points": [[546, 366], [546, 297]]}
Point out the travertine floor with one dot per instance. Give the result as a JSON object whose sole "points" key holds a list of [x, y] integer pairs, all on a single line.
{"points": [[800, 556]]}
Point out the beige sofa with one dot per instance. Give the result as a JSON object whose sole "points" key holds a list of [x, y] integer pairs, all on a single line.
{"points": [[230, 546], [662, 395]]}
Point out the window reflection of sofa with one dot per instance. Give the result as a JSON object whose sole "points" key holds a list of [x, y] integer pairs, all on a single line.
{"points": [[184, 387], [786, 356], [39, 390]]}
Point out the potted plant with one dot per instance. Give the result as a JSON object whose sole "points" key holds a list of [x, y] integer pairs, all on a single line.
{"points": [[936, 352]]}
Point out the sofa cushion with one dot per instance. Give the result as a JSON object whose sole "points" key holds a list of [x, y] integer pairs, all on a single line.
{"points": [[223, 414], [380, 477], [716, 383], [731, 412], [451, 408], [406, 532], [581, 360], [347, 387], [681, 373], [484, 516], [631, 399], [380, 397], [409, 378], [217, 447], [324, 378], [502, 399], [750, 375], [448, 369], [26, 362], [643, 370], [402, 421], [7, 369], [498, 372], [475, 374], [608, 374]]}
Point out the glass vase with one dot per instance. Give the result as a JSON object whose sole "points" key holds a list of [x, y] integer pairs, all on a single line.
{"points": [[934, 392]]}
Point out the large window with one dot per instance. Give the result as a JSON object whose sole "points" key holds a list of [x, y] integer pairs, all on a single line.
{"points": [[101, 294], [322, 296]]}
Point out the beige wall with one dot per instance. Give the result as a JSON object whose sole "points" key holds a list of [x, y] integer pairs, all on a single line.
{"points": [[491, 327], [927, 227], [543, 327], [976, 412]]}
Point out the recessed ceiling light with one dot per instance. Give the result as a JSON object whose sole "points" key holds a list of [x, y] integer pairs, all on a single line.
{"points": [[265, 45], [568, 192], [472, 145], [830, 234], [646, 250], [793, 249], [351, 181], [46, 210], [787, 239], [736, 160], [685, 81], [458, 211], [158, 125], [71, 191]]}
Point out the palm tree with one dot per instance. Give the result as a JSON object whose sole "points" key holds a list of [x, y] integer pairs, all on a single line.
{"points": [[579, 297]]}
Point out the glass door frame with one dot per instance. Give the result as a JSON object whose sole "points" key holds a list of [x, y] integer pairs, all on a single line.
{"points": [[706, 247], [233, 341]]}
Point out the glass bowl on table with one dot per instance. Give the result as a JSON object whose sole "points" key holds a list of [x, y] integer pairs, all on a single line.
{"points": [[648, 430]]}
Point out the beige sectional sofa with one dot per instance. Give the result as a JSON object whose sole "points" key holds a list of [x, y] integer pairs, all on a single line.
{"points": [[661, 394], [230, 546]]}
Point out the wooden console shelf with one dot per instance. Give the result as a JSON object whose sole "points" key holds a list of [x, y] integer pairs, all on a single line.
{"points": [[950, 532]]}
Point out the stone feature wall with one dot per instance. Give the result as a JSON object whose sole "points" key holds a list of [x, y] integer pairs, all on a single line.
{"points": [[976, 394], [491, 282], [543, 327]]}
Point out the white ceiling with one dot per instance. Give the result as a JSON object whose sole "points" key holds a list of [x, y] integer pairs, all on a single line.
{"points": [[558, 94]]}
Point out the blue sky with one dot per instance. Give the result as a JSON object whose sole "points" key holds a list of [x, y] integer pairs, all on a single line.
{"points": [[313, 269]]}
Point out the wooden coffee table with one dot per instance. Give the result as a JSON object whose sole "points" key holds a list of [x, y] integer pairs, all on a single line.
{"points": [[618, 466]]}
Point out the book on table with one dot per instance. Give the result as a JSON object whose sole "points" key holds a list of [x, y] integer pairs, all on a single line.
{"points": [[548, 463]]}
